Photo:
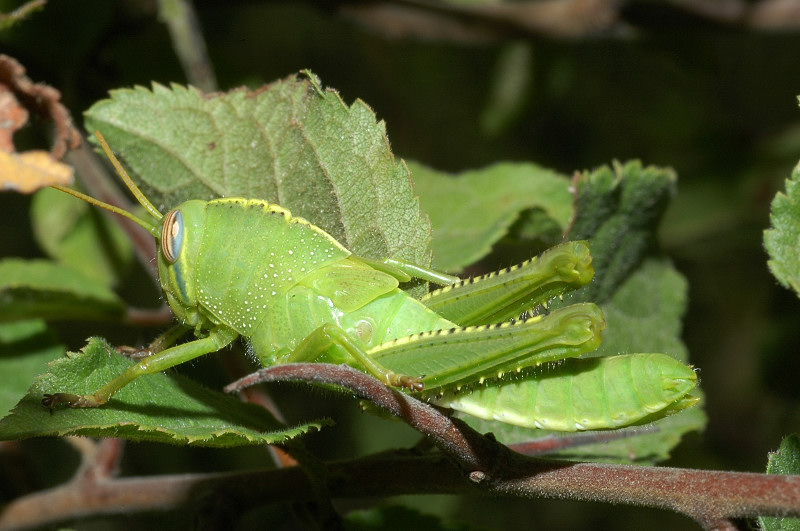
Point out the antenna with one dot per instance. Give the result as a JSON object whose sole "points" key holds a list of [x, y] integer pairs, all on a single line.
{"points": [[152, 228]]}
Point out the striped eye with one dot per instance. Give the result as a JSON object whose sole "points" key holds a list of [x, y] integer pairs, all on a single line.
{"points": [[172, 236]]}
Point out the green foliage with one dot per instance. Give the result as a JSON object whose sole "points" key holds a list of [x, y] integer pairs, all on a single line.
{"points": [[618, 208], [38, 288], [77, 235], [160, 408], [785, 461], [642, 295], [782, 239], [645, 313]]}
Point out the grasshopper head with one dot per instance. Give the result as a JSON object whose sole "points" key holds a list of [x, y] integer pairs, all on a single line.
{"points": [[181, 234], [177, 233]]}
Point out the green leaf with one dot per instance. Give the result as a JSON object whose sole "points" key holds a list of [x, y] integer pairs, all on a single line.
{"points": [[25, 349], [471, 211], [785, 461], [38, 288], [618, 209], [78, 235], [156, 407], [782, 239], [290, 143], [643, 297], [642, 445], [645, 313]]}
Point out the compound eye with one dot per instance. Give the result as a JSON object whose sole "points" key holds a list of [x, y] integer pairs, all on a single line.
{"points": [[172, 236]]}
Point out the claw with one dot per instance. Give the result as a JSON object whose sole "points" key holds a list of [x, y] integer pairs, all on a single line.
{"points": [[51, 401], [134, 353], [408, 382]]}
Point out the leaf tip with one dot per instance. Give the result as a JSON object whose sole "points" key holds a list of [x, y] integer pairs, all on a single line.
{"points": [[314, 80]]}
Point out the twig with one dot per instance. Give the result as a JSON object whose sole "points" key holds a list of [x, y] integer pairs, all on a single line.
{"points": [[43, 100], [149, 317], [560, 19], [99, 460], [188, 42], [481, 22], [711, 498], [472, 450], [554, 443]]}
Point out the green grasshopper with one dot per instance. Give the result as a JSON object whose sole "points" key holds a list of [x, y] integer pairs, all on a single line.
{"points": [[238, 267]]}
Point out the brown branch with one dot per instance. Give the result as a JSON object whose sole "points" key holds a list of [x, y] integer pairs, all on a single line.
{"points": [[485, 22], [554, 443], [149, 316], [711, 498], [559, 19], [99, 459], [775, 15], [469, 448]]}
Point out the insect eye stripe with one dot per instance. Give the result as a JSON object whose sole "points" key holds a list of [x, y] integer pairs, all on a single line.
{"points": [[172, 236]]}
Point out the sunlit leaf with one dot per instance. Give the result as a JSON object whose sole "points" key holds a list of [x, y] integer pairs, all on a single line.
{"points": [[782, 239], [785, 461], [290, 143], [471, 211]]}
